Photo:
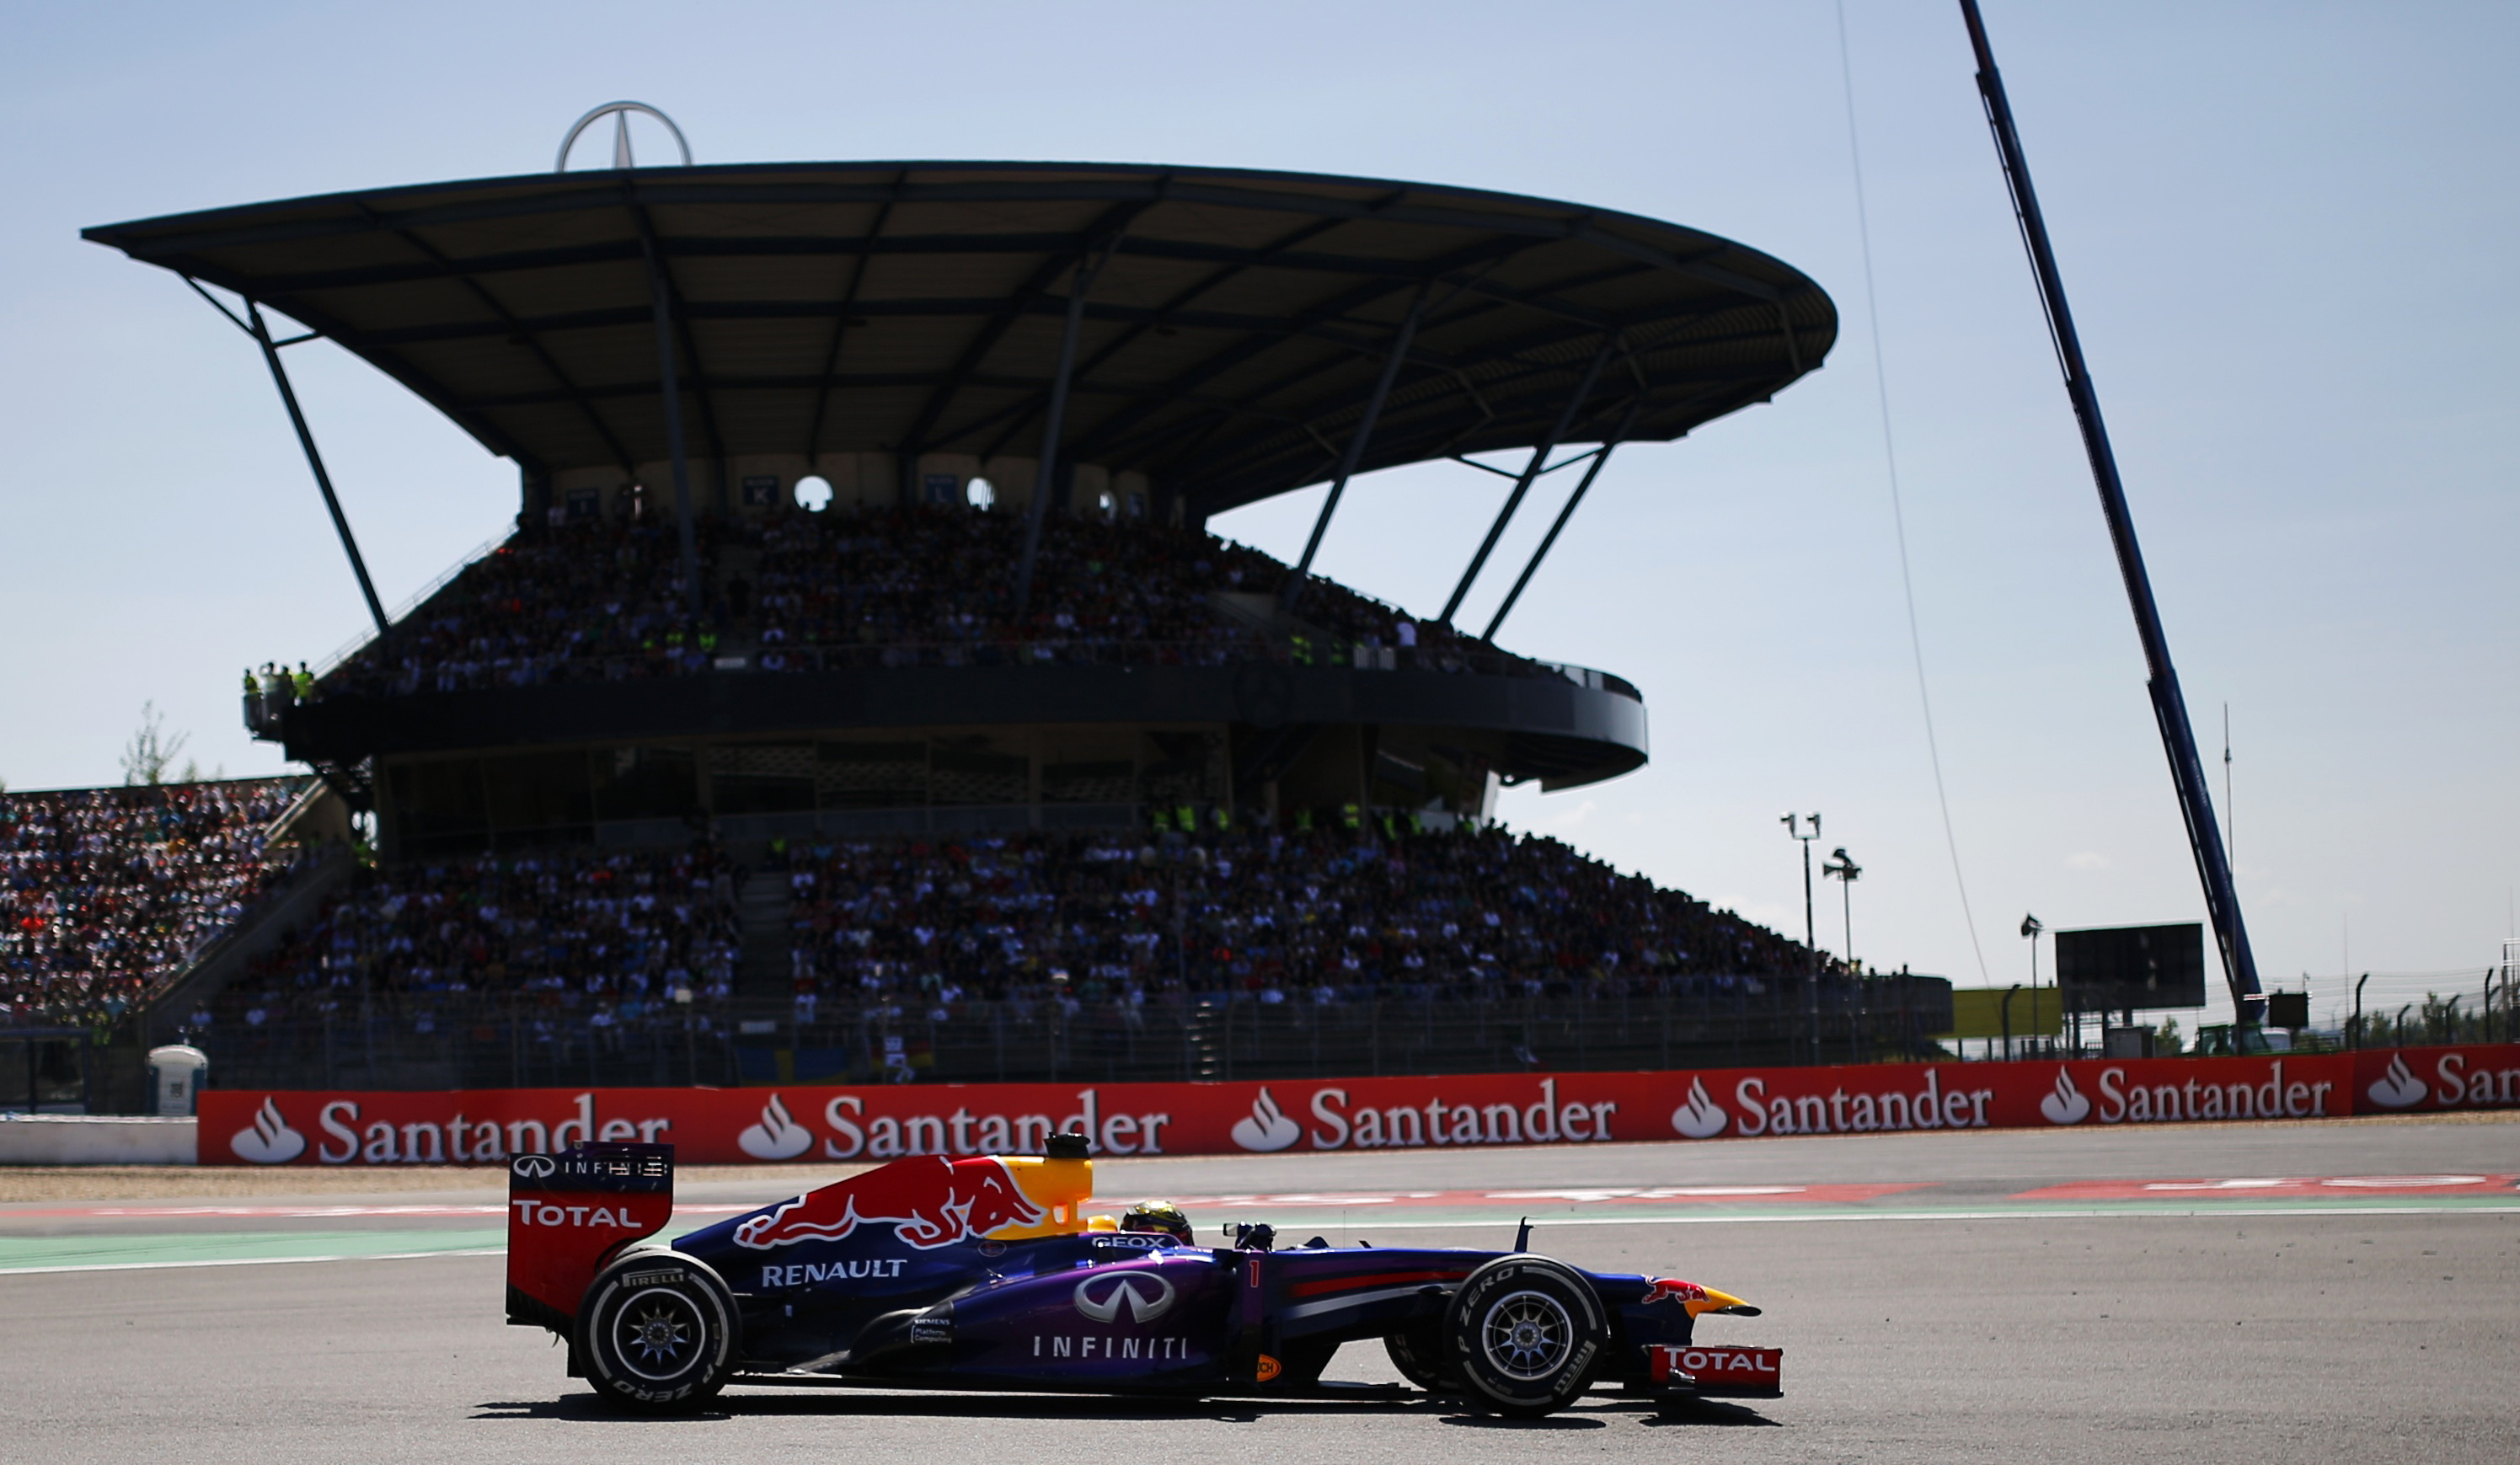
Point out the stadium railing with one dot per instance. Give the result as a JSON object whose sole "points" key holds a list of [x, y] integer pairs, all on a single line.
{"points": [[532, 669]]}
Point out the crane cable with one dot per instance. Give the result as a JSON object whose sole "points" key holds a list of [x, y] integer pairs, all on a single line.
{"points": [[1898, 517]]}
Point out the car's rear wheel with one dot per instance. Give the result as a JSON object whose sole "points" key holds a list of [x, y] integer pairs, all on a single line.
{"points": [[657, 1332], [1526, 1333]]}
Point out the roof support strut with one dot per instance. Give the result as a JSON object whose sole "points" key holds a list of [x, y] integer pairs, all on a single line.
{"points": [[1600, 458], [840, 329], [518, 331], [1531, 471], [2169, 704], [1294, 590], [673, 391], [1045, 481], [916, 439], [315, 460]]}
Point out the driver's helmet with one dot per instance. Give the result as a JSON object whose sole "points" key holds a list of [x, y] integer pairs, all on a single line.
{"points": [[1157, 1216]]}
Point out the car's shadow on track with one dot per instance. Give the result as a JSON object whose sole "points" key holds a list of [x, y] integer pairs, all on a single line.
{"points": [[1561, 1421], [1599, 1413], [825, 1404], [1708, 1411], [829, 1403]]}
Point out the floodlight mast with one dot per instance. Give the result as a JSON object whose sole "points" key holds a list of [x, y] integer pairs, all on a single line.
{"points": [[1793, 823], [2169, 705]]}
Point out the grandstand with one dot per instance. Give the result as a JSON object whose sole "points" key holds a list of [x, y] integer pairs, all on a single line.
{"points": [[861, 692], [109, 897], [1168, 952]]}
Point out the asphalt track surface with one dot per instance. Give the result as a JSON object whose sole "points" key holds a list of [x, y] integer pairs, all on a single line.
{"points": [[2205, 1293]]}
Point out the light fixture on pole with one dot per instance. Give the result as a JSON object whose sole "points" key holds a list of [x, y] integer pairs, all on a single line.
{"points": [[1793, 823], [2030, 926], [1846, 872]]}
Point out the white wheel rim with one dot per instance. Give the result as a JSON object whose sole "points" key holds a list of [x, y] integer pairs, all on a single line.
{"points": [[658, 1333], [1527, 1336]]}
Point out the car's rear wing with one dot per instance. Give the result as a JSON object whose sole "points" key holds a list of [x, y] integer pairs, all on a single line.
{"points": [[569, 1212]]}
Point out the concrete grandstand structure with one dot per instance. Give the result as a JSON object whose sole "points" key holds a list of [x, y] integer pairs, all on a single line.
{"points": [[863, 508]]}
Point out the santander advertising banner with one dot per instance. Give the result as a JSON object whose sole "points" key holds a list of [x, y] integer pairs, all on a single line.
{"points": [[802, 1124]]}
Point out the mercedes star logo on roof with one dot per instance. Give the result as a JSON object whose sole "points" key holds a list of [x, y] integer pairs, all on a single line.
{"points": [[619, 113]]}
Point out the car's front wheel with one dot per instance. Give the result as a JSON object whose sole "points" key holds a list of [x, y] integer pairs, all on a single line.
{"points": [[657, 1332], [1526, 1333]]}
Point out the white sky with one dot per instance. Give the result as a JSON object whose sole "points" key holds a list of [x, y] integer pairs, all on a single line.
{"points": [[2287, 230]]}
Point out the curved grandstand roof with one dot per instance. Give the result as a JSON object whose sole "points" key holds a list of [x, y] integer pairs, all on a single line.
{"points": [[1233, 327]]}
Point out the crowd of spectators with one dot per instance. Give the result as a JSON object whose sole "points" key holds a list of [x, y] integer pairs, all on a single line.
{"points": [[605, 600], [1303, 916], [570, 603], [591, 945], [947, 578], [613, 944], [106, 892]]}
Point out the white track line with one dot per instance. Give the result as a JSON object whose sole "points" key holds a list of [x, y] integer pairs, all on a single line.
{"points": [[19, 1271], [2024, 1213]]}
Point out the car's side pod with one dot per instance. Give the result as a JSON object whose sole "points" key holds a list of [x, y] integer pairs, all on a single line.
{"points": [[570, 1213]]}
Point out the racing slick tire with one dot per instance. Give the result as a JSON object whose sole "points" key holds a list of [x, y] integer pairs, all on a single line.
{"points": [[1417, 1352], [657, 1332], [1526, 1335]]}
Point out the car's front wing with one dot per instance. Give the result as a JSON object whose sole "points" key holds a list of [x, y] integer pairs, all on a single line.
{"points": [[1716, 1370]]}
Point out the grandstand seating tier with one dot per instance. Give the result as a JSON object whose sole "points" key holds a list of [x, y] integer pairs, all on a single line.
{"points": [[106, 893]]}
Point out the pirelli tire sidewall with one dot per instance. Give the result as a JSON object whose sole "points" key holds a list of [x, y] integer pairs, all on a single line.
{"points": [[658, 1331], [1556, 1359]]}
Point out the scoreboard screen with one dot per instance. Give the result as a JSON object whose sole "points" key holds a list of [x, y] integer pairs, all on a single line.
{"points": [[2120, 968]]}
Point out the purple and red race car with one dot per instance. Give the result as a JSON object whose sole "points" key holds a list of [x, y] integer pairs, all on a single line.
{"points": [[986, 1273]]}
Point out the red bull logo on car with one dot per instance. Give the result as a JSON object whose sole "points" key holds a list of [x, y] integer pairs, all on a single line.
{"points": [[929, 1202]]}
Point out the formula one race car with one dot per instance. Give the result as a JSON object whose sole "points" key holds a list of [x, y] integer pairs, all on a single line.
{"points": [[984, 1273]]}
